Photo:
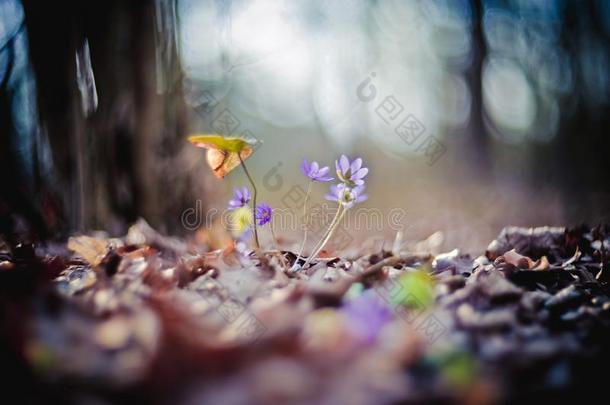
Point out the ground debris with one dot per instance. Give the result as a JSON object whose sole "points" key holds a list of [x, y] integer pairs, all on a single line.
{"points": [[147, 317]]}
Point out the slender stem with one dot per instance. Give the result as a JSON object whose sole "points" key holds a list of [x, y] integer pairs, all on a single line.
{"points": [[306, 228], [258, 245], [331, 229], [330, 226], [277, 245], [330, 233]]}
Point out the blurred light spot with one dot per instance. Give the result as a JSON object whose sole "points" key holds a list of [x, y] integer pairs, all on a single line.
{"points": [[274, 63], [452, 41], [508, 98], [503, 32], [450, 35], [201, 40], [398, 21], [552, 70], [454, 97], [412, 93], [335, 101]]}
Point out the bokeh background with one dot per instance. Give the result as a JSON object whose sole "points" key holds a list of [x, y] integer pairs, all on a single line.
{"points": [[472, 115]]}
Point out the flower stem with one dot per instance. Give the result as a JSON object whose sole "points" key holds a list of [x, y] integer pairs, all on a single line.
{"points": [[331, 229], [258, 246], [277, 245], [294, 267]]}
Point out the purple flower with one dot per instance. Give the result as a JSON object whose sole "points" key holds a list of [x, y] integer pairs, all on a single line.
{"points": [[241, 198], [347, 196], [366, 316], [315, 172], [352, 173], [263, 213]]}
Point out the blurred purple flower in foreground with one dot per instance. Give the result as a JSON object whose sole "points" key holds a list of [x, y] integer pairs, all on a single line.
{"points": [[241, 198], [366, 316], [352, 174], [264, 213], [315, 172], [345, 195]]}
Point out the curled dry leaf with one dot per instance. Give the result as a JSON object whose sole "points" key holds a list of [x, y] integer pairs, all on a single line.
{"points": [[93, 250], [520, 261], [223, 153], [533, 242], [542, 264], [524, 262], [572, 259]]}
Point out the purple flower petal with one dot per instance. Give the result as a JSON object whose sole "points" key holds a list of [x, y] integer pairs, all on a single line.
{"points": [[241, 198], [315, 172], [351, 174], [367, 315], [344, 163], [305, 167], [314, 167], [264, 213], [360, 173], [356, 164]]}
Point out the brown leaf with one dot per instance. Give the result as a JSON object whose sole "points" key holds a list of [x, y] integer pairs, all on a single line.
{"points": [[542, 264], [93, 250], [222, 162], [223, 153], [533, 242], [572, 259], [520, 261]]}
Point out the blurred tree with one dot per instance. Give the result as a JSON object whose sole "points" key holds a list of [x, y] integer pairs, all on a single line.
{"points": [[124, 156], [24, 160]]}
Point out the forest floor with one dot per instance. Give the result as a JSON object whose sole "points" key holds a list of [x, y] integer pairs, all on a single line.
{"points": [[155, 319]]}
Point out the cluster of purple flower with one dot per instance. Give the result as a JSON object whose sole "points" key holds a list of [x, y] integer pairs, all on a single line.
{"points": [[351, 174], [241, 198], [349, 190]]}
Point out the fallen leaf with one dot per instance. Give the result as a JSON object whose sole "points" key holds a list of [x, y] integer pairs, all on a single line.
{"points": [[572, 259], [520, 261], [93, 250], [541, 264], [533, 242], [223, 153]]}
